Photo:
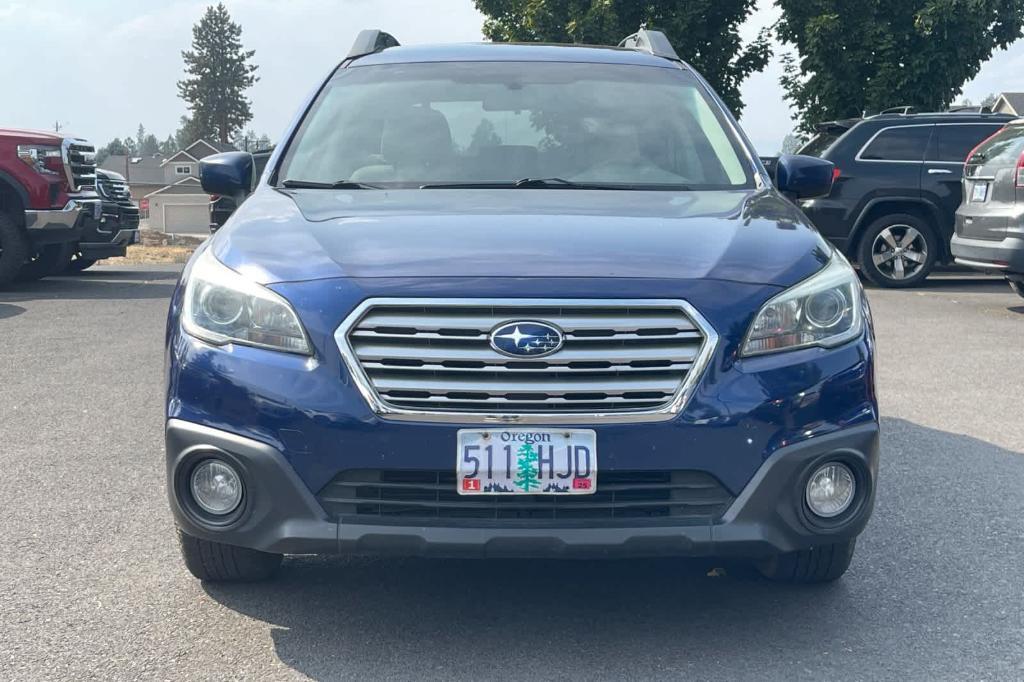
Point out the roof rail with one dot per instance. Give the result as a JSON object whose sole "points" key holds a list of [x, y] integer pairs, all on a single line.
{"points": [[906, 109], [650, 41], [370, 41]]}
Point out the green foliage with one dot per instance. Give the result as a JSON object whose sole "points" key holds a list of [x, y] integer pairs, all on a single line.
{"points": [[705, 33], [217, 74], [869, 55], [526, 460]]}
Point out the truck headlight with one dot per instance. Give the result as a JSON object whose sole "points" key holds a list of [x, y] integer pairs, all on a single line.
{"points": [[823, 310], [43, 158], [221, 307]]}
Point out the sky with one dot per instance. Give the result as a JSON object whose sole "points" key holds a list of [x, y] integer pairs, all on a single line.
{"points": [[49, 74]]}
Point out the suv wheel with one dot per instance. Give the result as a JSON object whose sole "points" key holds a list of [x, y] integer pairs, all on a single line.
{"points": [[217, 562], [898, 251], [816, 565], [13, 249]]}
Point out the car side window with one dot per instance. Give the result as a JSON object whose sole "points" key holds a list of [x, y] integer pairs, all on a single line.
{"points": [[903, 143], [952, 143]]}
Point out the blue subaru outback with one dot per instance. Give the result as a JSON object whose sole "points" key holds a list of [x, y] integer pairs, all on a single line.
{"points": [[519, 301]]}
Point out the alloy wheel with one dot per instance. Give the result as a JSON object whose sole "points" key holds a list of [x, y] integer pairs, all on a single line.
{"points": [[899, 252]]}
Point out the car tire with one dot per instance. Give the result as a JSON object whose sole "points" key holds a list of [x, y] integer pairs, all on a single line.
{"points": [[898, 251], [78, 264], [51, 260], [13, 250], [218, 562], [821, 564]]}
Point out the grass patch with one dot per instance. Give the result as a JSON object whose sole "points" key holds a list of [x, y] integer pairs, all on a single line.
{"points": [[140, 253]]}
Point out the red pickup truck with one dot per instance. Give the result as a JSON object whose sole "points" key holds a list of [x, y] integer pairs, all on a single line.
{"points": [[47, 197]]}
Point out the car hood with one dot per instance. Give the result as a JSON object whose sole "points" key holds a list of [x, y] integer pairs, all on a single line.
{"points": [[744, 236]]}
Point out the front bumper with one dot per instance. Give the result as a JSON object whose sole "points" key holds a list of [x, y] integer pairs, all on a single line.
{"points": [[1005, 255], [282, 515], [109, 234], [59, 226]]}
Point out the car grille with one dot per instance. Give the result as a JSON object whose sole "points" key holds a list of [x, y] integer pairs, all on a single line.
{"points": [[114, 190], [436, 356], [80, 162], [685, 497]]}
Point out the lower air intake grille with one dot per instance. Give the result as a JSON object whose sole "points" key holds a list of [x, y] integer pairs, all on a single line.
{"points": [[686, 497]]}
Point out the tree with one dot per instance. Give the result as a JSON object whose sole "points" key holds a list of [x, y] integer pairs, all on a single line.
{"points": [[705, 33], [189, 131], [113, 148], [791, 143], [218, 73], [169, 146], [866, 56], [526, 474]]}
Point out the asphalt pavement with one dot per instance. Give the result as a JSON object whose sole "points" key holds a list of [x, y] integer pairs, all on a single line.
{"points": [[91, 585]]}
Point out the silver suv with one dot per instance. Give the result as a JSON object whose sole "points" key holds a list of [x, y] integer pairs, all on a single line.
{"points": [[990, 221]]}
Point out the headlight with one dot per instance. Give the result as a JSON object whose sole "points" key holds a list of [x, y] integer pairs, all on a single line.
{"points": [[43, 158], [823, 310], [222, 306]]}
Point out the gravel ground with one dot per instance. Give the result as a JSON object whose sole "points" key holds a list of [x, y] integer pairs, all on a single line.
{"points": [[91, 586]]}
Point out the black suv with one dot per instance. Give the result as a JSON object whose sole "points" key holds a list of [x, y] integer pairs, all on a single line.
{"points": [[117, 226], [897, 188]]}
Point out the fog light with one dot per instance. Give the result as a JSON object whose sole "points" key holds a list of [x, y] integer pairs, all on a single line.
{"points": [[216, 487], [831, 489]]}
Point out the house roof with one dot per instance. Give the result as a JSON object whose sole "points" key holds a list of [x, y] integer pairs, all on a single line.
{"points": [[1014, 99], [203, 148], [188, 185], [138, 170], [176, 155]]}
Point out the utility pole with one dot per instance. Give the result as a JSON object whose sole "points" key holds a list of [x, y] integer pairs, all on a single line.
{"points": [[57, 126]]}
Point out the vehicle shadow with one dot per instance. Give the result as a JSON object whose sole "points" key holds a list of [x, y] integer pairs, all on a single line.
{"points": [[923, 560], [10, 310], [954, 282], [103, 283]]}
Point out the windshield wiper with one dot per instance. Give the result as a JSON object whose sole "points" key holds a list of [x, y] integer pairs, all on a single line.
{"points": [[340, 184], [525, 183], [549, 183]]}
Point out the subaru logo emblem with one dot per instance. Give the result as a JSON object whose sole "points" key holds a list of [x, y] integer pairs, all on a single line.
{"points": [[526, 338]]}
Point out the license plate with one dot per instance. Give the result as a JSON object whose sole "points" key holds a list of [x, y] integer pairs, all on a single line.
{"points": [[526, 462], [980, 192]]}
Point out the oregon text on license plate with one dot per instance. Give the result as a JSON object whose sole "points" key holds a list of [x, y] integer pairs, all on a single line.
{"points": [[526, 462]]}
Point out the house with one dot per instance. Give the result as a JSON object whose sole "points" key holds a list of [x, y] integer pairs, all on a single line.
{"points": [[1009, 103], [168, 189]]}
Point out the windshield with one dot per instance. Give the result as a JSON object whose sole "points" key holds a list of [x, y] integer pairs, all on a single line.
{"points": [[482, 123]]}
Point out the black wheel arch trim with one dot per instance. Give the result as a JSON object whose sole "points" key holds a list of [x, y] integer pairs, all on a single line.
{"points": [[10, 181], [861, 223]]}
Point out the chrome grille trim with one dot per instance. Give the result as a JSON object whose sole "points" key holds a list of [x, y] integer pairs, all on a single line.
{"points": [[428, 359], [79, 164]]}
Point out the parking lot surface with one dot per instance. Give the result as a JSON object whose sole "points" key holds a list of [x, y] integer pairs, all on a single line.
{"points": [[91, 585]]}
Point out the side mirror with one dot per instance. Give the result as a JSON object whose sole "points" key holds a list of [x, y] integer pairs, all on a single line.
{"points": [[804, 177], [229, 174]]}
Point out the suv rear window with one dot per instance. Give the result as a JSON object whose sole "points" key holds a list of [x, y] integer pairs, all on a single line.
{"points": [[817, 145], [905, 143], [1004, 148], [952, 143]]}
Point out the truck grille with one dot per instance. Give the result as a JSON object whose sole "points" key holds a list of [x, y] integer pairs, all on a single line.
{"points": [[80, 162], [436, 357], [114, 190], [685, 497]]}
